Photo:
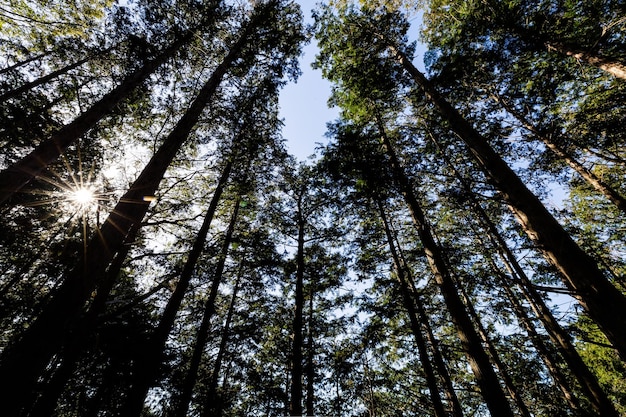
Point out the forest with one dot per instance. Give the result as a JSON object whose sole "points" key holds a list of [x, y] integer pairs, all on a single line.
{"points": [[456, 248]]}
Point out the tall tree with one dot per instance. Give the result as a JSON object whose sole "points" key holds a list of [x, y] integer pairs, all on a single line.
{"points": [[30, 354], [580, 272], [182, 403], [587, 380], [22, 172]]}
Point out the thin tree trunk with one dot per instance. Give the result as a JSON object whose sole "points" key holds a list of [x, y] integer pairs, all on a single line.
{"points": [[553, 367], [599, 185], [16, 176], [409, 304], [184, 400], [439, 360], [24, 360], [24, 62], [147, 365], [46, 78], [589, 382], [605, 304], [310, 366], [495, 357], [295, 403], [453, 399], [213, 405], [477, 357], [371, 409]]}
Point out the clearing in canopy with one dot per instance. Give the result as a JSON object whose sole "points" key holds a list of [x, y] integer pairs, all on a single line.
{"points": [[456, 246]]}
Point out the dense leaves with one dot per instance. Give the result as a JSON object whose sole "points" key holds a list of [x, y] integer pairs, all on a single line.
{"points": [[163, 255]]}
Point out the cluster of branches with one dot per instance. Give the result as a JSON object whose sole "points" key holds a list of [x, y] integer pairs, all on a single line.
{"points": [[410, 270]]}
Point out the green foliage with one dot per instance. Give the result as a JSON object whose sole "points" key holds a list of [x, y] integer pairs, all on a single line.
{"points": [[356, 328]]}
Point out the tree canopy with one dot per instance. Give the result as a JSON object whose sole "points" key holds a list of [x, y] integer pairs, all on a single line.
{"points": [[456, 248]]}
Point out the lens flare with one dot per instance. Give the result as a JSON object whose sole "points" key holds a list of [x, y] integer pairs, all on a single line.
{"points": [[82, 196]]}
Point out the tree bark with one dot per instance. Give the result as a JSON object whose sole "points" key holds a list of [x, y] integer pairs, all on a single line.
{"points": [[184, 400], [599, 185], [16, 176], [147, 365], [409, 304], [605, 304], [477, 357]]}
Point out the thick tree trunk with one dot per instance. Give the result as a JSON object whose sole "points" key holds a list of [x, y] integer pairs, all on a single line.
{"points": [[184, 400], [13, 178], [605, 304], [45, 404], [295, 403], [147, 365], [599, 185], [477, 357], [23, 361], [409, 304], [589, 383]]}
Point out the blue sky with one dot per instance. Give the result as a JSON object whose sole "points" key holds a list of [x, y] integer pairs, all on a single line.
{"points": [[303, 105]]}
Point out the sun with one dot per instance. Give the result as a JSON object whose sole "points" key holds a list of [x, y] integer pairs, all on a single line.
{"points": [[82, 196]]}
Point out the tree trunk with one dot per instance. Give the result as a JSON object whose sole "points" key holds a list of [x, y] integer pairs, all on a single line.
{"points": [[589, 382], [605, 304], [495, 357], [46, 78], [213, 404], [541, 348], [310, 366], [24, 360], [439, 360], [599, 185], [183, 401], [24, 62], [295, 403], [477, 357], [409, 304], [147, 365], [453, 399], [45, 404], [612, 66], [25, 170]]}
